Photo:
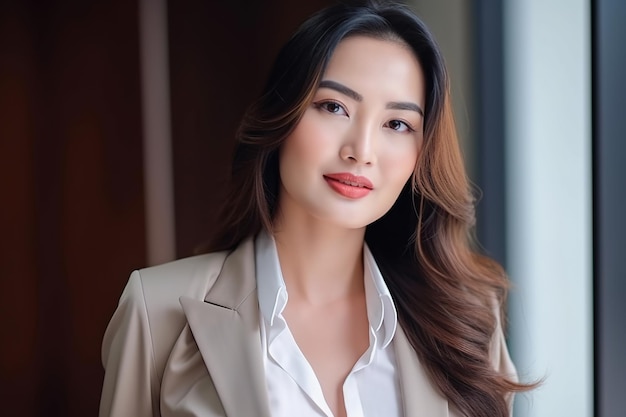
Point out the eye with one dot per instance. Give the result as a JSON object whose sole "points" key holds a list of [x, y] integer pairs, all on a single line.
{"points": [[399, 126], [332, 107]]}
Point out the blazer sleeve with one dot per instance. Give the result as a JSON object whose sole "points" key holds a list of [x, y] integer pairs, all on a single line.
{"points": [[130, 385]]}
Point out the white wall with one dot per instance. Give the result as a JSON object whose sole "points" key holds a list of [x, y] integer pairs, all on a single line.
{"points": [[548, 160]]}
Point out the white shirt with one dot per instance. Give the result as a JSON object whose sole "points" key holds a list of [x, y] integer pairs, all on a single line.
{"points": [[370, 390]]}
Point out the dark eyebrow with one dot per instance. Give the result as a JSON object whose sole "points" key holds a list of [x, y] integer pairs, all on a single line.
{"points": [[402, 105], [334, 85], [347, 91]]}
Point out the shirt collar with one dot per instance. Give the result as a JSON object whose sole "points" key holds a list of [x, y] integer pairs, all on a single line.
{"points": [[270, 282], [381, 311]]}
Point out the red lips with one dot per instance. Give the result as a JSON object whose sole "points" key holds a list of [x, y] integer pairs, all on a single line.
{"points": [[349, 185]]}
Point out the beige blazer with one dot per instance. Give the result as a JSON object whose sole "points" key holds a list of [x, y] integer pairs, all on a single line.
{"points": [[185, 341]]}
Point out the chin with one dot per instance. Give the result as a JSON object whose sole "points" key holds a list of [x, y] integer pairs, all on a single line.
{"points": [[352, 222]]}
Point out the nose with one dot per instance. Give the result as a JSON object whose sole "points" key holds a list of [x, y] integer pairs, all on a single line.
{"points": [[359, 146]]}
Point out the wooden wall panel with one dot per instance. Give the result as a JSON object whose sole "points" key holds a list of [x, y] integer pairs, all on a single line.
{"points": [[72, 195], [71, 186], [18, 305]]}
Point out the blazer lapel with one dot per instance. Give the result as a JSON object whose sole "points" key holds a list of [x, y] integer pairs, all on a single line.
{"points": [[419, 396], [225, 327]]}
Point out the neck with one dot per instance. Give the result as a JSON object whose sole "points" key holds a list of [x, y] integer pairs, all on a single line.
{"points": [[321, 263]]}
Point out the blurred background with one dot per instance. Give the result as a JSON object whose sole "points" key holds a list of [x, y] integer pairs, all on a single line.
{"points": [[116, 130]]}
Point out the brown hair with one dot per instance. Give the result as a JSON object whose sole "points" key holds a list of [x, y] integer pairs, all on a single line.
{"points": [[448, 296]]}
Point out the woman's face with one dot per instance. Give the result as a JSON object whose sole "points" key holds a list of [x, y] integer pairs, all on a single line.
{"points": [[357, 144]]}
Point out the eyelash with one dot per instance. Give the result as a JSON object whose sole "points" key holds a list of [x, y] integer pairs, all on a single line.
{"points": [[323, 105], [409, 129]]}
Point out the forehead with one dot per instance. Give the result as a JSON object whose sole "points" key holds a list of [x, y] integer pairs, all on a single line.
{"points": [[373, 64]]}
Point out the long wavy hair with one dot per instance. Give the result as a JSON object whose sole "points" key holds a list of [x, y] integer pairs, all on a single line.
{"points": [[447, 294]]}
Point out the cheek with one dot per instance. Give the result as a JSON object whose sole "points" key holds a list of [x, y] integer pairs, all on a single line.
{"points": [[309, 143], [400, 163], [296, 152]]}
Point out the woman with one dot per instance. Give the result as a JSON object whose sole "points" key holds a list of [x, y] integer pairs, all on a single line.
{"points": [[343, 280]]}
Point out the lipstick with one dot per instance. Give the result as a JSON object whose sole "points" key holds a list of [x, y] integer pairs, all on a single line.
{"points": [[349, 185]]}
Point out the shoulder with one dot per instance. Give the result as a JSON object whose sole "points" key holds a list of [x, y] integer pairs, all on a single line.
{"points": [[149, 316], [183, 277], [152, 294], [159, 288], [145, 326]]}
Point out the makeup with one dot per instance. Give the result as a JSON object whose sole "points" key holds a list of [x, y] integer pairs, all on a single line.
{"points": [[349, 185]]}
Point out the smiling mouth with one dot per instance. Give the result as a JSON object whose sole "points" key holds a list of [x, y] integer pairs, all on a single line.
{"points": [[350, 180], [353, 184], [348, 185]]}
